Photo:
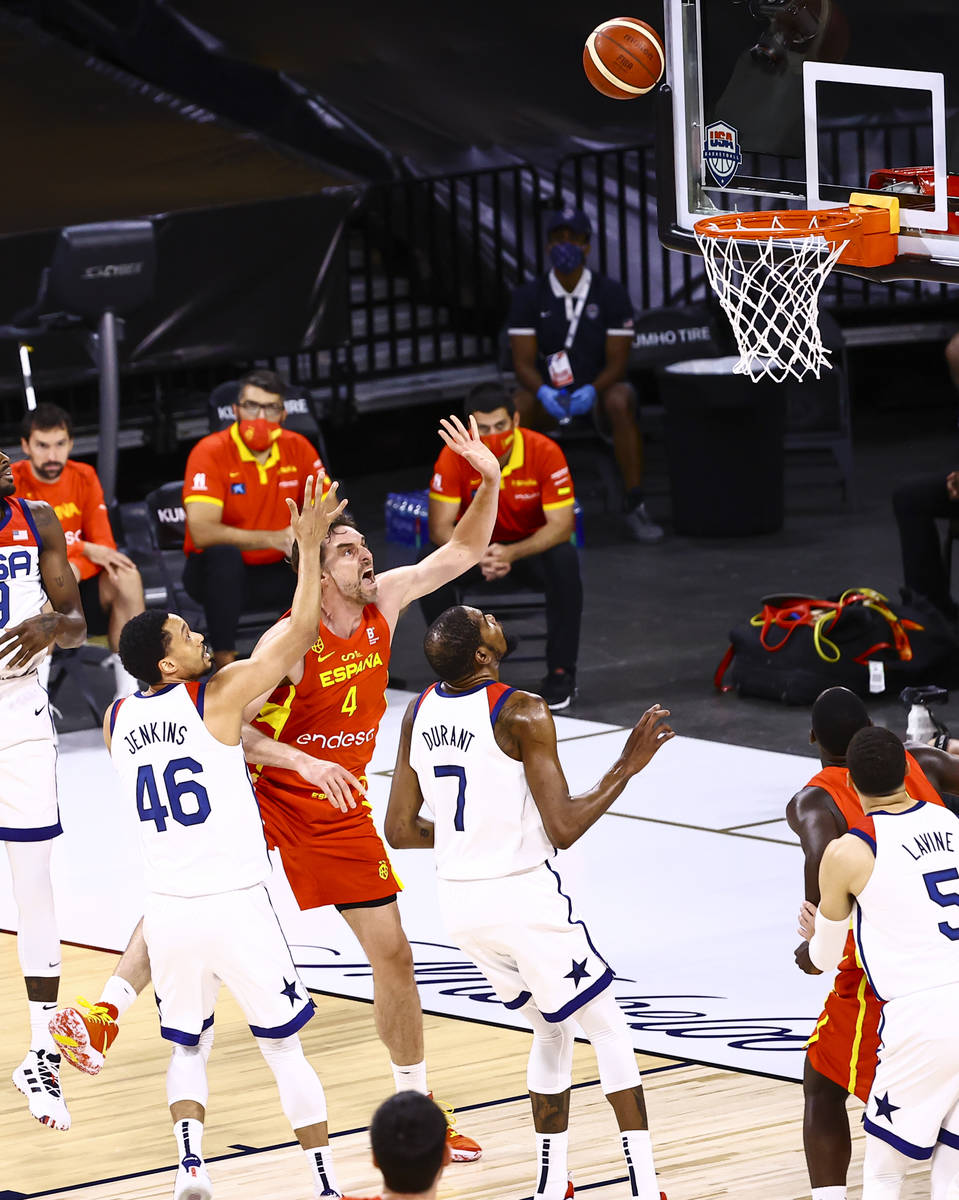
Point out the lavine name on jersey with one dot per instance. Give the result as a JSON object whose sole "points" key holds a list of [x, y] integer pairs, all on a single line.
{"points": [[929, 843], [153, 732]]}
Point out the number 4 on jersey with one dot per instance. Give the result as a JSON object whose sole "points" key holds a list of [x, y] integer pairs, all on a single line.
{"points": [[349, 704]]}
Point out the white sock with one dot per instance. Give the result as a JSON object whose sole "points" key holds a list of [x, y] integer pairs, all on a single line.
{"points": [[829, 1193], [411, 1078], [919, 727], [119, 993], [126, 685], [189, 1138], [551, 1155], [638, 1152], [321, 1164], [41, 1012]]}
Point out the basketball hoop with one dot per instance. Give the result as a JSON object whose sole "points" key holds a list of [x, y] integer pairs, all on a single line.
{"points": [[768, 268]]}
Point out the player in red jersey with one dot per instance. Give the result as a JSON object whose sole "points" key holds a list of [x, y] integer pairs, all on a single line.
{"points": [[313, 738], [841, 1054]]}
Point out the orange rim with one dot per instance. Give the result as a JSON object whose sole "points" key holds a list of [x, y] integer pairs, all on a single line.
{"points": [[834, 224]]}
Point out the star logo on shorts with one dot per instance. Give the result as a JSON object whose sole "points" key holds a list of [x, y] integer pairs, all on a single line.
{"points": [[578, 972], [885, 1108], [290, 991]]}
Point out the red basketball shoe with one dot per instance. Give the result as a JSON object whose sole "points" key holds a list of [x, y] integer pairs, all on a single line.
{"points": [[85, 1033], [462, 1148]]}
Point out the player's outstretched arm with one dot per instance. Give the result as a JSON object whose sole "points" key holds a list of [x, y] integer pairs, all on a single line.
{"points": [[466, 547], [528, 724], [404, 828], [66, 625], [236, 685]]}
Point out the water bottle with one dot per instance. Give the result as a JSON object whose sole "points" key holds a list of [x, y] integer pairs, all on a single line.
{"points": [[565, 399]]}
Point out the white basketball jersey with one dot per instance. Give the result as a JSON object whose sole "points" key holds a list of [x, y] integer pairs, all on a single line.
{"points": [[200, 825], [907, 917], [486, 822], [22, 593]]}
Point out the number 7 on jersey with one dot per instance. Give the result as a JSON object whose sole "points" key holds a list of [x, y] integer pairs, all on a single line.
{"points": [[459, 773]]}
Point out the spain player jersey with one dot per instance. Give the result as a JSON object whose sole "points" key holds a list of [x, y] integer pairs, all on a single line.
{"points": [[22, 593], [77, 499], [333, 714]]}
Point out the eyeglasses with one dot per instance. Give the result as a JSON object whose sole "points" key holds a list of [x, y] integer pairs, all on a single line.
{"points": [[270, 411]]}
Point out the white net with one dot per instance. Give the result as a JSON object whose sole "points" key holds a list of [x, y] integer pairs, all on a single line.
{"points": [[769, 288]]}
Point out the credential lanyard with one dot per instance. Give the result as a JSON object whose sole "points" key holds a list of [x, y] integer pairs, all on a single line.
{"points": [[574, 310]]}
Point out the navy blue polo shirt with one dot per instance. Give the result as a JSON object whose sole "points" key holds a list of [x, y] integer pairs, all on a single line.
{"points": [[543, 307]]}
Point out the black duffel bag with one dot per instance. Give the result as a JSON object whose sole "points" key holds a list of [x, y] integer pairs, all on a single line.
{"points": [[796, 646]]}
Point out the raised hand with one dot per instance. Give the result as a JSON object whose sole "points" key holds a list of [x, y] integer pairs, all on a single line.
{"points": [[649, 733], [466, 443], [312, 522]]}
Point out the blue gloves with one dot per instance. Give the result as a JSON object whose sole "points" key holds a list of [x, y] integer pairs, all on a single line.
{"points": [[554, 401], [582, 400]]}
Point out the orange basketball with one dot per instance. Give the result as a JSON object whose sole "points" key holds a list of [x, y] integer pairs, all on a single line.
{"points": [[624, 58]]}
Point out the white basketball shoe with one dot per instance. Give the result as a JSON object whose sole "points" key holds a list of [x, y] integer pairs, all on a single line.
{"points": [[192, 1180], [38, 1077]]}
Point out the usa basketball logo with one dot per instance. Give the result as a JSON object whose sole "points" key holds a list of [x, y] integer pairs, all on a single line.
{"points": [[722, 152]]}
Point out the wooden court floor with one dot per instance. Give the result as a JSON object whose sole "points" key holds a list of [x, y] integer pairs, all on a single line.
{"points": [[717, 1133]]}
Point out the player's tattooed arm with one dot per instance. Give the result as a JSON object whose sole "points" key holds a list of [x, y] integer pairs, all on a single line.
{"points": [[404, 828], [528, 724], [66, 624]]}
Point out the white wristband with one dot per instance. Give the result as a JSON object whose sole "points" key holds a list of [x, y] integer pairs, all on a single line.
{"points": [[827, 942]]}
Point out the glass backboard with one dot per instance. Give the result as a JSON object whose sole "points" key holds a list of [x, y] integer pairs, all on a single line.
{"points": [[800, 103]]}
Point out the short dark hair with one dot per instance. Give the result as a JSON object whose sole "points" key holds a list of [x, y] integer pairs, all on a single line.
{"points": [[267, 381], [408, 1137], [143, 642], [486, 397], [344, 521], [451, 643], [837, 714], [45, 416], [876, 759]]}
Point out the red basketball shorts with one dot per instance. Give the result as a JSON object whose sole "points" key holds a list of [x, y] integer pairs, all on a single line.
{"points": [[845, 1042]]}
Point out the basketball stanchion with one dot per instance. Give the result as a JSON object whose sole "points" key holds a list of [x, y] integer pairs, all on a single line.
{"points": [[768, 269]]}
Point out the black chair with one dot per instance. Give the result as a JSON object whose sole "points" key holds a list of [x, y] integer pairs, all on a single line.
{"points": [[168, 523], [301, 413]]}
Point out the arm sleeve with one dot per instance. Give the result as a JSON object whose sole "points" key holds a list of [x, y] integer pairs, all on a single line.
{"points": [[203, 482], [826, 944], [445, 484], [556, 483], [618, 310], [522, 310], [96, 520]]}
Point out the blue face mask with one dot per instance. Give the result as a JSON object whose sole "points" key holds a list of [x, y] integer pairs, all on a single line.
{"points": [[566, 257]]}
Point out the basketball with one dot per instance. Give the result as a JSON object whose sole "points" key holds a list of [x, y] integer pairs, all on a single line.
{"points": [[624, 58]]}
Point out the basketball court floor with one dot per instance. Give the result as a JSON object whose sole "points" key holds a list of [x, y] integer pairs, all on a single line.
{"points": [[690, 886]]}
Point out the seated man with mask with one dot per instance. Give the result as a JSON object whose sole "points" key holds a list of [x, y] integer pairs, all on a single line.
{"points": [[571, 332], [238, 528], [530, 546]]}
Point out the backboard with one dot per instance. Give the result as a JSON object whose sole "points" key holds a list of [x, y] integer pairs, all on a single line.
{"points": [[776, 104]]}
